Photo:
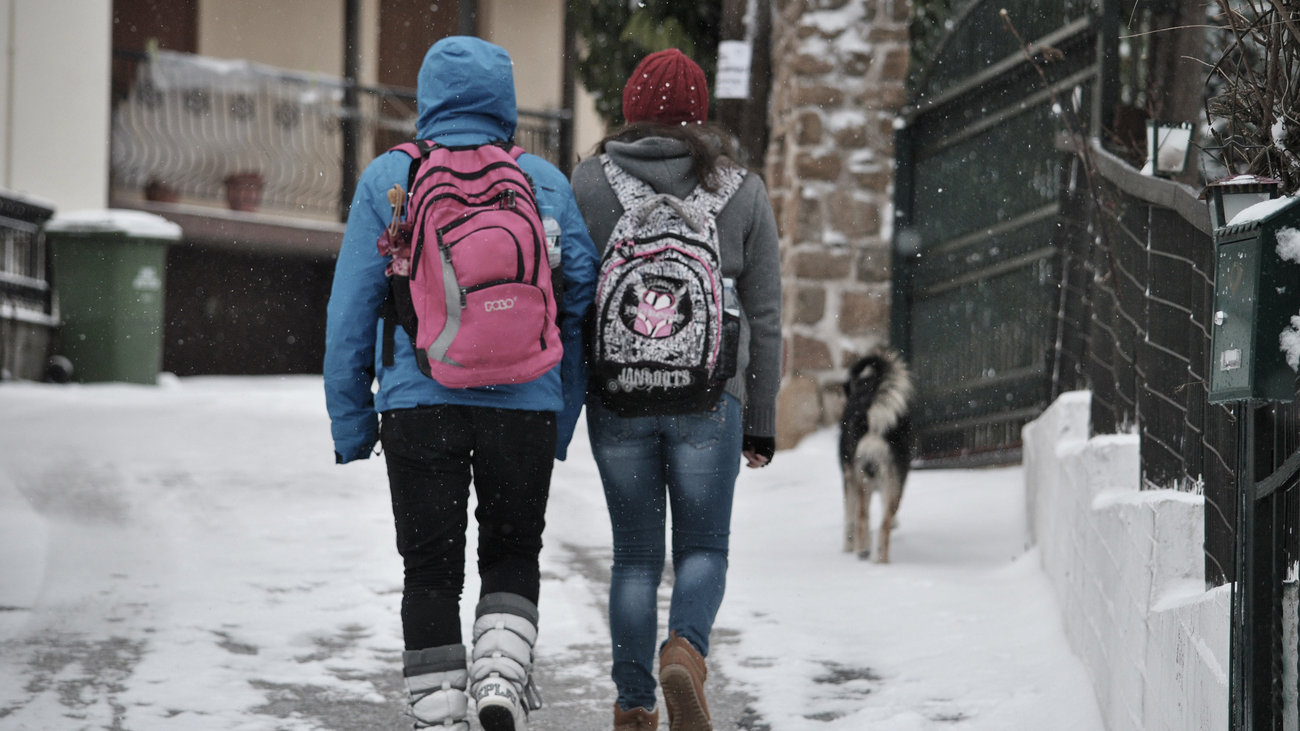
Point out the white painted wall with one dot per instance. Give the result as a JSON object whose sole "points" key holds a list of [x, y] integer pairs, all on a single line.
{"points": [[54, 107], [6, 94], [533, 32], [1128, 570], [306, 35], [299, 35], [302, 35], [588, 126]]}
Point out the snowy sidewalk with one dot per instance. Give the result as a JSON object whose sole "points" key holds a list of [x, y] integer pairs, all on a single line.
{"points": [[188, 556]]}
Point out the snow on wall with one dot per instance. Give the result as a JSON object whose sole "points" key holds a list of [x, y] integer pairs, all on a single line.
{"points": [[1128, 569], [1288, 248]]}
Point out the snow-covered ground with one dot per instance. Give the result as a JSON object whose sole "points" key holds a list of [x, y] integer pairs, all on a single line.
{"points": [[188, 556]]}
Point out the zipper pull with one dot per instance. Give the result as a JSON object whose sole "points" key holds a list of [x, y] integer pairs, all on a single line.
{"points": [[510, 199], [396, 197]]}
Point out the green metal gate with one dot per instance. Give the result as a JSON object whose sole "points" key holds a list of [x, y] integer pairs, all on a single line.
{"points": [[976, 252]]}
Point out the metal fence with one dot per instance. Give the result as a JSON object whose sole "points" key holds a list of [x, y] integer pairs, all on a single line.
{"points": [[1136, 307], [1025, 267], [1137, 295], [27, 309], [201, 129], [975, 262]]}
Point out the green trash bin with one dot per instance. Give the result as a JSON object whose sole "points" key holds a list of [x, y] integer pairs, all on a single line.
{"points": [[109, 279]]}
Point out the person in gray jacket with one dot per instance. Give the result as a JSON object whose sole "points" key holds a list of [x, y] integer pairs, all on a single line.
{"points": [[684, 462]]}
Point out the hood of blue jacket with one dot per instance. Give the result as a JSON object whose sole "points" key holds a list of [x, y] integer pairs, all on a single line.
{"points": [[466, 92]]}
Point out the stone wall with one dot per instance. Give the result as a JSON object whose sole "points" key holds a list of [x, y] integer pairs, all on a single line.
{"points": [[839, 68]]}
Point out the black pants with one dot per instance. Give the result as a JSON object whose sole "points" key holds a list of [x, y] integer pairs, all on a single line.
{"points": [[433, 454]]}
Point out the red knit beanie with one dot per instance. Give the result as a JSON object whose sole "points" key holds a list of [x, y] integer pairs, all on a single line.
{"points": [[668, 88]]}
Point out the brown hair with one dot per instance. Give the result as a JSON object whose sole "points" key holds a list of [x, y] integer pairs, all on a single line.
{"points": [[710, 146]]}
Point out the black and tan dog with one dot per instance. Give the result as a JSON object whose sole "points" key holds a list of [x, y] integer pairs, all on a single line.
{"points": [[875, 446]]}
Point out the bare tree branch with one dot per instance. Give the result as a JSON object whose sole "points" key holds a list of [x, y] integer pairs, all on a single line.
{"points": [[1290, 24]]}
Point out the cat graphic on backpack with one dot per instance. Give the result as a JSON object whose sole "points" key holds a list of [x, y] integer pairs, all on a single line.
{"points": [[469, 278], [666, 324]]}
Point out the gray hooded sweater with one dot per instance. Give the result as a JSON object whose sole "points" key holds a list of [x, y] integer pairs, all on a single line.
{"points": [[750, 255]]}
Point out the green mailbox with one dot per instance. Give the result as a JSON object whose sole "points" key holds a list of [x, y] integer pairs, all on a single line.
{"points": [[1256, 293], [109, 277]]}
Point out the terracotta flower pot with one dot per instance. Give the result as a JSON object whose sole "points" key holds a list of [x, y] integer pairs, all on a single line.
{"points": [[244, 191], [157, 190]]}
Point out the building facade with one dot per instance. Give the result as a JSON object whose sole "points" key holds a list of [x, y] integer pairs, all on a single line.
{"points": [[168, 69]]}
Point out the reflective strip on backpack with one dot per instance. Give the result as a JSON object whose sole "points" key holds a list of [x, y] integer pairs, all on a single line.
{"points": [[437, 350]]}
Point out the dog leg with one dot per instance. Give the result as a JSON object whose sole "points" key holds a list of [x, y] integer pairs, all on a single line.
{"points": [[863, 543], [850, 510], [893, 496]]}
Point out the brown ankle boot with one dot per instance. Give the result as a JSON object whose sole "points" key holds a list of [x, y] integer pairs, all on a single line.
{"points": [[636, 719], [681, 676]]}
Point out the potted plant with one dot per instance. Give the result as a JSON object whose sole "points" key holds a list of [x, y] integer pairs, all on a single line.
{"points": [[244, 191], [158, 190]]}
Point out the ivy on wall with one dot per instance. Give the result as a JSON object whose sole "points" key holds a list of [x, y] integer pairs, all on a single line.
{"points": [[616, 34], [930, 22]]}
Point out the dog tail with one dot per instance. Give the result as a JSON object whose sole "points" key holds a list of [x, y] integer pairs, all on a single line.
{"points": [[894, 394]]}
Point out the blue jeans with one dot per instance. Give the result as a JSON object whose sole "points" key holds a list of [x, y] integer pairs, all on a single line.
{"points": [[650, 464]]}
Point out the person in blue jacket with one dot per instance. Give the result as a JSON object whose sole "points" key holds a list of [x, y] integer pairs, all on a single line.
{"points": [[437, 440]]}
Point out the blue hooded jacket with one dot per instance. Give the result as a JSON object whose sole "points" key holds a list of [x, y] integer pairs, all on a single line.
{"points": [[466, 95]]}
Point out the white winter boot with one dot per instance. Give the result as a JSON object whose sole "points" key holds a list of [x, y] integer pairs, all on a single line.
{"points": [[437, 678], [502, 662]]}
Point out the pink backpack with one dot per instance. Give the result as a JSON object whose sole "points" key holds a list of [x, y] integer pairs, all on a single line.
{"points": [[469, 277]]}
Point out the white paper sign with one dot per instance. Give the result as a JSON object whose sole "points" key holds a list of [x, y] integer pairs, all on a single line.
{"points": [[732, 81]]}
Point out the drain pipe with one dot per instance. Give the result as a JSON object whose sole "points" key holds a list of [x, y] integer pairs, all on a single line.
{"points": [[351, 70], [468, 17]]}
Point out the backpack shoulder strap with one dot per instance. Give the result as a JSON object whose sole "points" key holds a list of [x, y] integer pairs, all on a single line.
{"points": [[631, 190], [412, 148], [417, 149], [730, 178]]}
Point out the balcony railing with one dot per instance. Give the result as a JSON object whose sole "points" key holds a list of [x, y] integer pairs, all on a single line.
{"points": [[28, 313], [246, 136]]}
